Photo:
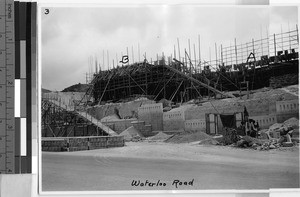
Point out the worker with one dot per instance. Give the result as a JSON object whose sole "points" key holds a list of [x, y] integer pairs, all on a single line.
{"points": [[253, 128]]}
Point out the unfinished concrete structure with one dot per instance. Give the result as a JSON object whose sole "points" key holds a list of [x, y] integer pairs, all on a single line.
{"points": [[243, 68]]}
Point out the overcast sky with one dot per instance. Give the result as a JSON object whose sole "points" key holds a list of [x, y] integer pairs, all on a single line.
{"points": [[71, 35]]}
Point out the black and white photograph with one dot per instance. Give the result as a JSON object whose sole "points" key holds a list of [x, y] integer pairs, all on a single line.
{"points": [[169, 97]]}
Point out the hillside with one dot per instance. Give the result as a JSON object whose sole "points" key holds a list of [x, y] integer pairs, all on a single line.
{"points": [[77, 88]]}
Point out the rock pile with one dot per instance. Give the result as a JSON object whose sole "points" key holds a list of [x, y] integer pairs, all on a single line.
{"points": [[278, 135], [257, 144]]}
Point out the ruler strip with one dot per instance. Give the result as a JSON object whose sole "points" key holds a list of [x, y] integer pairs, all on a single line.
{"points": [[10, 77], [2, 89]]}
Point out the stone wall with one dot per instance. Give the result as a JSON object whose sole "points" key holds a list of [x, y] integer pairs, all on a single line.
{"points": [[81, 143]]}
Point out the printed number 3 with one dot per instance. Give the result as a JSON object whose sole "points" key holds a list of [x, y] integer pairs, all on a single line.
{"points": [[46, 11]]}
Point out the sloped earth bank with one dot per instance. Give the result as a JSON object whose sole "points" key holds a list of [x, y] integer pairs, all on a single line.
{"points": [[211, 167]]}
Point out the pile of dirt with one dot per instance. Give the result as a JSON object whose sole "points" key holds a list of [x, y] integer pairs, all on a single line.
{"points": [[188, 137], [160, 136], [131, 134]]}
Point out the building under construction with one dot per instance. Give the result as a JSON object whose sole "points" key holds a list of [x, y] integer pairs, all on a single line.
{"points": [[256, 64], [239, 69]]}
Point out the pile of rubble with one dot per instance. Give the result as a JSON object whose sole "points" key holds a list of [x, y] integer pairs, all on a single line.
{"points": [[278, 135]]}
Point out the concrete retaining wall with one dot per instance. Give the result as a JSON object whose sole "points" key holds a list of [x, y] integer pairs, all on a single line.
{"points": [[173, 120], [81, 143], [152, 114], [195, 125], [287, 106], [287, 109]]}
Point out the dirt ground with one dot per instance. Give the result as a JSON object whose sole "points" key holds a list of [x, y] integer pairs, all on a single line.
{"points": [[211, 167]]}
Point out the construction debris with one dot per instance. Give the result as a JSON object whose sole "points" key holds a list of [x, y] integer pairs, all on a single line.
{"points": [[278, 135]]}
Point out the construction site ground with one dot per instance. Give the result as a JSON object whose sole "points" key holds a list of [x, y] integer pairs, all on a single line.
{"points": [[211, 167]]}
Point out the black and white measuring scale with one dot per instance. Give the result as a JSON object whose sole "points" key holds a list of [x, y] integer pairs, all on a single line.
{"points": [[17, 85]]}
